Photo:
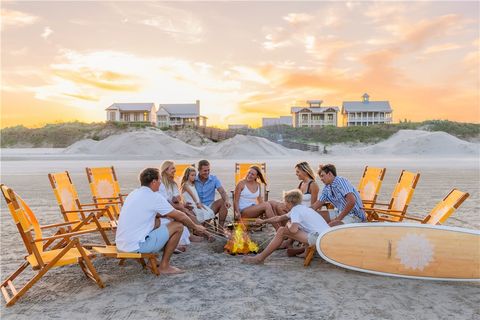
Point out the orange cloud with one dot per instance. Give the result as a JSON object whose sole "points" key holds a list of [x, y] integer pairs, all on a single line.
{"points": [[103, 80]]}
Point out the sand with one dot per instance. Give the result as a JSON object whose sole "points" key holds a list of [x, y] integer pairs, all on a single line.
{"points": [[216, 285]]}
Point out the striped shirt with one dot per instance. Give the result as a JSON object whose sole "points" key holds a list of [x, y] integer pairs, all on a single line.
{"points": [[336, 192]]}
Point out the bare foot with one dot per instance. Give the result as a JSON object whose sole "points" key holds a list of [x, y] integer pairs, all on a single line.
{"points": [[252, 260], [170, 270], [181, 248], [284, 245], [195, 238]]}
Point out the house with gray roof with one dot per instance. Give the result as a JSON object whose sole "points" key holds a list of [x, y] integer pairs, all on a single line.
{"points": [[314, 115], [366, 112], [132, 112], [180, 115]]}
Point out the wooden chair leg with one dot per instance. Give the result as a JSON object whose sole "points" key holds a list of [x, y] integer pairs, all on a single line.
{"points": [[309, 255], [121, 262], [142, 262], [153, 264], [92, 274]]}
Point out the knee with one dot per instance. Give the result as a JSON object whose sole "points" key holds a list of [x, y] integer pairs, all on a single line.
{"points": [[176, 226], [281, 231]]}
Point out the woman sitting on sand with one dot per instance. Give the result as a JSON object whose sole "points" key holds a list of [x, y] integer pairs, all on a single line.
{"points": [[169, 189], [247, 200], [190, 195]]}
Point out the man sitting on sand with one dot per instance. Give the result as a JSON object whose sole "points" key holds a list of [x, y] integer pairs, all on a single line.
{"points": [[206, 184], [342, 194], [305, 225], [139, 228]]}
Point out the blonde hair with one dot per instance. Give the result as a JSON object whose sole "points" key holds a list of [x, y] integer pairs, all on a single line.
{"points": [[186, 174], [259, 174], [294, 196], [163, 174], [305, 167]]}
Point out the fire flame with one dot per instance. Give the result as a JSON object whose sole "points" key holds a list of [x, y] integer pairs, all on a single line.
{"points": [[240, 242]]}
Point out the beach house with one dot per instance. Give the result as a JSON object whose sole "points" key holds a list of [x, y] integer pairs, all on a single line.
{"points": [[366, 112], [314, 115], [180, 115], [131, 112]]}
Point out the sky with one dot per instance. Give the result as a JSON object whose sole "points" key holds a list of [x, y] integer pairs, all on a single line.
{"points": [[65, 61]]}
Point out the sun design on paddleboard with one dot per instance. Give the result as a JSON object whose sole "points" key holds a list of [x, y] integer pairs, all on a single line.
{"points": [[414, 251], [104, 189]]}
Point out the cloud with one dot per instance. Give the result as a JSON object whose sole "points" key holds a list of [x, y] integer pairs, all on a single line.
{"points": [[47, 31], [441, 48], [16, 18], [298, 18]]}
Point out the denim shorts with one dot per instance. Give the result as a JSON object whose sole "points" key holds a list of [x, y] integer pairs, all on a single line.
{"points": [[155, 240]]}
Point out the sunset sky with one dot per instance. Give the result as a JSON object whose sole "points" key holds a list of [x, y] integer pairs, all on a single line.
{"points": [[64, 61]]}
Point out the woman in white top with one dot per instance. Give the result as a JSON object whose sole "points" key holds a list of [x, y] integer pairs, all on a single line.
{"points": [[169, 189], [307, 186], [247, 199], [189, 193]]}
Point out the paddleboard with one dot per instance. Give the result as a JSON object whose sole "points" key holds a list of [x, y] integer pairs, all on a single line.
{"points": [[407, 250]]}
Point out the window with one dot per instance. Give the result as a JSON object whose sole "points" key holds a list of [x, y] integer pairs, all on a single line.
{"points": [[136, 117], [126, 117], [304, 117], [111, 116], [330, 117]]}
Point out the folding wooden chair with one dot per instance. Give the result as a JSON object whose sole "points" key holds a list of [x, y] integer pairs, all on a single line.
{"points": [[43, 254], [241, 170], [70, 206], [112, 252], [398, 205], [442, 211], [105, 188], [370, 184]]}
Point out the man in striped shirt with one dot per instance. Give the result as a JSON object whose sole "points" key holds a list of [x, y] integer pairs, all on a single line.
{"points": [[344, 197]]}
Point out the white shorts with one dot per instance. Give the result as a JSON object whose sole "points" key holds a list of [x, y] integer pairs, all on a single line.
{"points": [[312, 238], [349, 218]]}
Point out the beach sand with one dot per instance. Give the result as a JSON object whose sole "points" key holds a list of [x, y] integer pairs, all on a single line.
{"points": [[216, 285]]}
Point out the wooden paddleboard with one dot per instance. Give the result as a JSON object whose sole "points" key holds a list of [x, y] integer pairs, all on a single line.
{"points": [[404, 250]]}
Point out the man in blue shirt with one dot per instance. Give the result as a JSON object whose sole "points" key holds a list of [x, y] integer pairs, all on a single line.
{"points": [[344, 197], [206, 185]]}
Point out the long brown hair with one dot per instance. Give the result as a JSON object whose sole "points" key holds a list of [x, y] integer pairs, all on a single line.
{"points": [[186, 174], [259, 174], [305, 167]]}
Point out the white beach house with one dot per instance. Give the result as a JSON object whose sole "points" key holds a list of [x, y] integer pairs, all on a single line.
{"points": [[131, 112], [187, 114], [314, 115], [366, 112]]}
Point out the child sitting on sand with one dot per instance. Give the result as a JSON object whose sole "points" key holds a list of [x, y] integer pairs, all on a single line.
{"points": [[305, 225], [189, 193]]}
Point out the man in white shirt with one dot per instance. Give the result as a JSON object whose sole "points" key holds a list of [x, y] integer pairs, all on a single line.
{"points": [[139, 228], [304, 226]]}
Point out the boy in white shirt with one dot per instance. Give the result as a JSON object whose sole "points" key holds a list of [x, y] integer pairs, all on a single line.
{"points": [[139, 228], [305, 225]]}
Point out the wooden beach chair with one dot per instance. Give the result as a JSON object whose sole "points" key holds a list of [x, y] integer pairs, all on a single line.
{"points": [[71, 208], [442, 211], [241, 170], [112, 252], [105, 188], [370, 184], [43, 253], [398, 205]]}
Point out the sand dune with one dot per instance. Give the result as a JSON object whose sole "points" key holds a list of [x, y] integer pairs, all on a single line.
{"points": [[155, 143]]}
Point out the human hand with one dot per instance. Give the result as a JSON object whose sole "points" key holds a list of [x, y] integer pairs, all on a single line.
{"points": [[236, 215], [259, 221], [199, 205], [201, 229], [189, 206]]}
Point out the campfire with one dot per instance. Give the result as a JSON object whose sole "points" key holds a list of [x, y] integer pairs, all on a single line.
{"points": [[240, 242]]}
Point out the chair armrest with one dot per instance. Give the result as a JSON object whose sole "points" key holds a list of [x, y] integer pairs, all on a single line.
{"points": [[65, 235], [87, 210], [58, 224], [107, 198]]}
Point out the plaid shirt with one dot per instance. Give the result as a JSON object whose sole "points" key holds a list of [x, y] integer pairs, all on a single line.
{"points": [[336, 193]]}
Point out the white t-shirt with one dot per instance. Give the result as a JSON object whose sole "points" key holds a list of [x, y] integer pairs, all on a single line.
{"points": [[137, 217], [170, 192], [309, 220]]}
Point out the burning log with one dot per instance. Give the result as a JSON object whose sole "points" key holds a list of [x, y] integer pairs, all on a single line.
{"points": [[240, 242]]}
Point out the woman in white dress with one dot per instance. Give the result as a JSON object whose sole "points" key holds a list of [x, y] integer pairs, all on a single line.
{"points": [[247, 199], [190, 195]]}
